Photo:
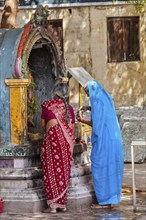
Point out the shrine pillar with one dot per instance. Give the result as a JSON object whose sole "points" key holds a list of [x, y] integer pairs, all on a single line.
{"points": [[18, 109]]}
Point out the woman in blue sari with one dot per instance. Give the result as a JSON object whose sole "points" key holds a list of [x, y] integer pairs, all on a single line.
{"points": [[107, 147]]}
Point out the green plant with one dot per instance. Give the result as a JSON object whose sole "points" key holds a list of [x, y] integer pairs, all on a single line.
{"points": [[140, 4], [32, 106]]}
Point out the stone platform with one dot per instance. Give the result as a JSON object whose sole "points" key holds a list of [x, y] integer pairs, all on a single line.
{"points": [[21, 182], [123, 211]]}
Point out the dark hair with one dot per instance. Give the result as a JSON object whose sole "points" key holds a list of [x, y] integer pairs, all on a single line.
{"points": [[86, 90], [61, 90]]}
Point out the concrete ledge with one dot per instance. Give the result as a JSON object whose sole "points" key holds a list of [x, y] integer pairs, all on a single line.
{"points": [[80, 203], [21, 184], [20, 174], [24, 206]]}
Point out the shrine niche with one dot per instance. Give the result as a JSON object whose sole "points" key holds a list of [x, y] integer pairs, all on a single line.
{"points": [[31, 61], [36, 62]]}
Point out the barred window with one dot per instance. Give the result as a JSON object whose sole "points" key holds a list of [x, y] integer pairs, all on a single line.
{"points": [[123, 39]]}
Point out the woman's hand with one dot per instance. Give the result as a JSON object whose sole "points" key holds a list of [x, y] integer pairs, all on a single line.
{"points": [[85, 108], [79, 117]]}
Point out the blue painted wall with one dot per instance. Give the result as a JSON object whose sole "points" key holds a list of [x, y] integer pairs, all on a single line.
{"points": [[9, 41]]}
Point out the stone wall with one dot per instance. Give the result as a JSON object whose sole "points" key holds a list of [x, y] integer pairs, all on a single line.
{"points": [[133, 126]]}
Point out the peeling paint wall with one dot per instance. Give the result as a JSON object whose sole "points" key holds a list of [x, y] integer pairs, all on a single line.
{"points": [[85, 44]]}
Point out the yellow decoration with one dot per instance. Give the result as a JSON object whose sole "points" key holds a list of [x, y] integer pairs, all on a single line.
{"points": [[84, 130], [18, 109]]}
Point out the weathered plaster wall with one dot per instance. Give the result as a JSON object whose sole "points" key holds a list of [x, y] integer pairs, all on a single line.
{"points": [[125, 80], [85, 44]]}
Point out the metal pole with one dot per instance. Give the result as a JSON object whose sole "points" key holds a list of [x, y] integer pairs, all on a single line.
{"points": [[80, 104], [133, 178]]}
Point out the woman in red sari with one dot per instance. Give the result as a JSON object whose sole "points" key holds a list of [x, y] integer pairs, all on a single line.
{"points": [[56, 155]]}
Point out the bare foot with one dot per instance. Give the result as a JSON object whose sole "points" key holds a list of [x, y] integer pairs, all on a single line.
{"points": [[62, 209], [96, 206], [49, 210]]}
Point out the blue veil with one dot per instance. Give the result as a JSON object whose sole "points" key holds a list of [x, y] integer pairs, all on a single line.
{"points": [[107, 147], [102, 110]]}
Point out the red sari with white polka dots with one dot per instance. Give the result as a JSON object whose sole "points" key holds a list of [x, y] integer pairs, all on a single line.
{"points": [[56, 155]]}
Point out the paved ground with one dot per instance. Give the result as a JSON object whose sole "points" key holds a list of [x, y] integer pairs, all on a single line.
{"points": [[119, 212]]}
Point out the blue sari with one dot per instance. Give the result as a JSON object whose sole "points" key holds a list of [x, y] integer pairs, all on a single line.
{"points": [[107, 147]]}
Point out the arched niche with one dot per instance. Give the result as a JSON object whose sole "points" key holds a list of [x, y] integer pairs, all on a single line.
{"points": [[40, 60]]}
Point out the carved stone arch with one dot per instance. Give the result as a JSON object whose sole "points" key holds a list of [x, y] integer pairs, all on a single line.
{"points": [[28, 39], [40, 59]]}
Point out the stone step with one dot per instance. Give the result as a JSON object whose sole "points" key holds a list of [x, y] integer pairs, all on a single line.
{"points": [[18, 194], [21, 184], [36, 172], [80, 170], [80, 197], [20, 173], [80, 180], [22, 190]]}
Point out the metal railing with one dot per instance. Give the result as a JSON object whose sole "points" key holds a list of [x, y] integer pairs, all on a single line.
{"points": [[134, 144]]}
